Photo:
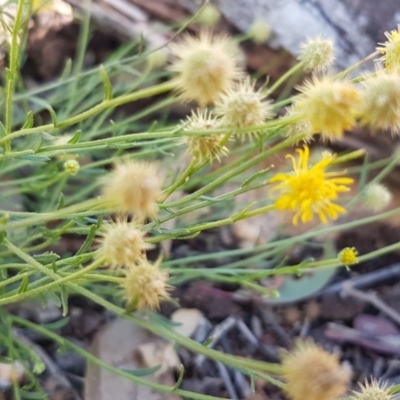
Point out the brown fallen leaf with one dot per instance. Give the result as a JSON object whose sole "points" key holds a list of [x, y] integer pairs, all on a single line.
{"points": [[118, 344]]}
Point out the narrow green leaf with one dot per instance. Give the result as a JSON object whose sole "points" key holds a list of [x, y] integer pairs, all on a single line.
{"points": [[57, 325], [2, 130], [3, 274], [76, 138], [53, 115], [3, 234], [38, 144], [24, 284], [29, 121], [180, 378], [61, 201], [64, 300], [143, 371], [106, 83], [46, 258], [67, 70], [99, 221], [34, 158], [50, 295], [254, 177], [89, 240], [54, 267], [208, 341], [47, 136]]}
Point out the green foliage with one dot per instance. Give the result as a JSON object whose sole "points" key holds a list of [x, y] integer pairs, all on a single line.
{"points": [[78, 117]]}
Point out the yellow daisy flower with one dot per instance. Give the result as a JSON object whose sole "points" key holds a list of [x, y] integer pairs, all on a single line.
{"points": [[310, 189]]}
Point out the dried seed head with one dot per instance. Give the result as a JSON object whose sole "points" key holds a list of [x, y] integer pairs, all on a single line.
{"points": [[71, 167], [329, 106], [206, 66], [204, 148], [380, 102], [121, 244], [145, 286], [243, 106], [390, 51], [133, 187], [348, 256], [377, 197], [373, 391], [316, 54], [313, 374]]}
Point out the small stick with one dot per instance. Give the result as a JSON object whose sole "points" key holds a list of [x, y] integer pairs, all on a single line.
{"points": [[217, 334], [223, 371], [391, 273], [372, 299]]}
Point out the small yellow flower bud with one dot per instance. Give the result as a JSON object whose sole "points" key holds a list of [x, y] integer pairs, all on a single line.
{"points": [[329, 106], [390, 51], [209, 16], [71, 166], [206, 67], [313, 374], [243, 106], [260, 31], [204, 148], [348, 256], [121, 244], [145, 286], [377, 197], [316, 54], [380, 102], [133, 187], [373, 391]]}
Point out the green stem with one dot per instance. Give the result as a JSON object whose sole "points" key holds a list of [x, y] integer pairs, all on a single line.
{"points": [[117, 101], [67, 212], [186, 174], [44, 270], [12, 73], [284, 77]]}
